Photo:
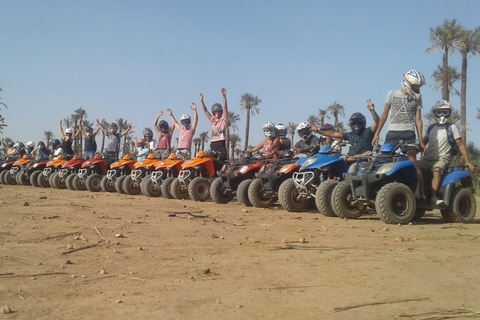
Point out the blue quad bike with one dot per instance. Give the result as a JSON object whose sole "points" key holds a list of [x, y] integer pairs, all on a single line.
{"points": [[389, 183], [317, 177]]}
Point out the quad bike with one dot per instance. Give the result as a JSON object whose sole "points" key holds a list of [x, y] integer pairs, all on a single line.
{"points": [[315, 180], [160, 179], [4, 169], [195, 177], [142, 170], [44, 179], [234, 179], [63, 178], [89, 177], [117, 172], [15, 174], [34, 169], [388, 181]]}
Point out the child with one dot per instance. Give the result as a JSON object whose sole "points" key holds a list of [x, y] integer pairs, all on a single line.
{"points": [[113, 143], [284, 142], [90, 143], [141, 149], [163, 149], [187, 130], [270, 144], [67, 140]]}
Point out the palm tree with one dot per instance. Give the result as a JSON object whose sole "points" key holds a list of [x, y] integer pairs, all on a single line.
{"points": [[48, 137], [234, 142], [322, 115], [232, 123], [453, 76], [469, 42], [339, 127], [249, 103], [203, 138], [122, 126], [80, 113], [443, 38], [104, 126], [291, 130], [336, 110], [196, 143], [238, 151], [312, 119]]}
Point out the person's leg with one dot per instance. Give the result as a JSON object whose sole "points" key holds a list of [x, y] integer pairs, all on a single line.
{"points": [[412, 155]]}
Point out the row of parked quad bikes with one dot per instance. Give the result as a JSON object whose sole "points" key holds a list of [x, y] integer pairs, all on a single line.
{"points": [[385, 182]]}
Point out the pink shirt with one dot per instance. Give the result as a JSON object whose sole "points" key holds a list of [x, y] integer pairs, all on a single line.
{"points": [[268, 147], [185, 138], [219, 128], [164, 142]]}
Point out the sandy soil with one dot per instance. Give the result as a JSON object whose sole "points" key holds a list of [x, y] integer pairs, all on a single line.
{"points": [[146, 258]]}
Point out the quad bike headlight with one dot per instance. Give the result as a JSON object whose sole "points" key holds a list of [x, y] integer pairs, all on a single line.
{"points": [[353, 168], [309, 161], [386, 168], [243, 169], [286, 167]]}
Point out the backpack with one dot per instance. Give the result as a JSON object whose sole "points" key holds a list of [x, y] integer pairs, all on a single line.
{"points": [[454, 147]]}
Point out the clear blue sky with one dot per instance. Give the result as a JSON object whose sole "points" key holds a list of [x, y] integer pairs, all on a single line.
{"points": [[133, 59]]}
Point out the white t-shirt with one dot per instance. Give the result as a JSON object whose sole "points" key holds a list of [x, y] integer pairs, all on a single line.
{"points": [[438, 144], [402, 111]]}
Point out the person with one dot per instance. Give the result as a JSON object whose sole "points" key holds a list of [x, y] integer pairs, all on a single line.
{"points": [[141, 149], [307, 139], [187, 130], [360, 138], [219, 121], [165, 132], [284, 142], [438, 154], [8, 148], [30, 149], [404, 107], [89, 135], [113, 143], [149, 142], [269, 145], [42, 151], [57, 148], [67, 140]]}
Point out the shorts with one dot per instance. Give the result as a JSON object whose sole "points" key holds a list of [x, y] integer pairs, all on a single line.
{"points": [[220, 149], [441, 162], [394, 137], [161, 153], [184, 154]]}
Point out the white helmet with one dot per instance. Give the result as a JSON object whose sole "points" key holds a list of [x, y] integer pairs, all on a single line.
{"points": [[281, 130], [31, 144], [269, 130], [413, 78], [303, 130], [442, 111], [68, 131], [185, 120]]}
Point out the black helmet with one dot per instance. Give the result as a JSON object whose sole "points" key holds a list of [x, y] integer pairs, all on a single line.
{"points": [[216, 108], [148, 133], [10, 144], [56, 143], [89, 130], [163, 126], [357, 123], [41, 145]]}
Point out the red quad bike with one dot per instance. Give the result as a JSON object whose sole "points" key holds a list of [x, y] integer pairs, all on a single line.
{"points": [[195, 177], [235, 178], [52, 166], [90, 175], [143, 169], [12, 175], [161, 179], [63, 178], [118, 171], [34, 169], [4, 169]]}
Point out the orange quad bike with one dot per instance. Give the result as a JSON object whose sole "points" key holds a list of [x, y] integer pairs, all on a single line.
{"points": [[143, 169], [91, 174], [4, 169], [118, 171], [15, 174], [196, 176], [52, 166], [160, 179], [34, 169], [63, 178]]}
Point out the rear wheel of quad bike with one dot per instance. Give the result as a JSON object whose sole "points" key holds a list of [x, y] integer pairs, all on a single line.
{"points": [[42, 181], [34, 178], [177, 191], [462, 206], [107, 185], [119, 184], [130, 186], [323, 197], [257, 195], [218, 192], [69, 181], [199, 189], [50, 180], [93, 183], [395, 203], [2, 177], [79, 183], [288, 197], [242, 192], [342, 202], [58, 182], [10, 179], [150, 189], [166, 184], [22, 178]]}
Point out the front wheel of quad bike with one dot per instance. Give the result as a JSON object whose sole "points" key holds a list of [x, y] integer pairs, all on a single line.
{"points": [[462, 206], [79, 184], [150, 189], [257, 195], [131, 187], [199, 189], [69, 181], [288, 197], [93, 183], [177, 191], [22, 178], [218, 192], [119, 184], [342, 202], [395, 203], [10, 179], [323, 197], [2, 177], [166, 184], [58, 182], [34, 178], [43, 181], [242, 192], [107, 185]]}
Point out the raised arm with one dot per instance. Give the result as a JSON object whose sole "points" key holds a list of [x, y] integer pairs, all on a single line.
{"points": [[376, 118], [383, 119], [155, 123], [225, 108], [195, 116], [207, 114], [174, 121], [101, 127], [80, 128], [129, 127], [327, 133], [61, 130]]}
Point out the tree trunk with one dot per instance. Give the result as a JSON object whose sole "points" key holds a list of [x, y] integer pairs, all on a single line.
{"points": [[463, 99], [247, 129], [445, 91]]}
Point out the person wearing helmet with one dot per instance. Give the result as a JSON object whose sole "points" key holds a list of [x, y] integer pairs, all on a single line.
{"points": [[8, 147], [90, 145], [57, 148], [165, 132], [441, 138], [269, 145], [307, 139], [141, 149], [148, 137], [42, 151], [67, 140], [187, 131], [360, 138], [404, 107], [219, 120], [114, 138], [30, 149], [281, 133]]}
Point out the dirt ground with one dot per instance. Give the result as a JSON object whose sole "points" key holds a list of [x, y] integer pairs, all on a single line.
{"points": [[80, 255]]}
